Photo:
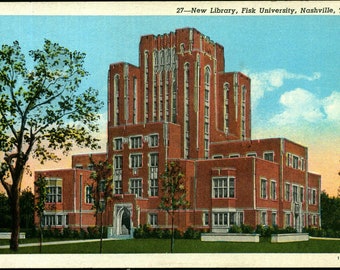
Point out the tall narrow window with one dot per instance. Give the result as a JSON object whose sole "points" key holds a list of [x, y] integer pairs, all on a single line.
{"points": [[161, 104], [263, 188], [226, 107], [146, 87], [153, 174], [174, 96], [273, 190], [287, 192], [117, 174], [186, 111], [243, 112], [88, 194], [116, 100], [207, 73], [295, 193], [136, 186], [135, 101]]}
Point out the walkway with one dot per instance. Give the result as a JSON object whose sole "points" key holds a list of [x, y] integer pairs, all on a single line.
{"points": [[58, 242]]}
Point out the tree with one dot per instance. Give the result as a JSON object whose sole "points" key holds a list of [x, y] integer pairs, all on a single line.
{"points": [[101, 190], [27, 208], [330, 212], [41, 111], [5, 214], [41, 196], [174, 194]]}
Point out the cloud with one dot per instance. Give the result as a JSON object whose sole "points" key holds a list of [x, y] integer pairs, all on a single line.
{"points": [[301, 105], [273, 79], [332, 106]]}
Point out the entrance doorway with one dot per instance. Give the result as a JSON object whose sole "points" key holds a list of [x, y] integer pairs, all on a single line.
{"points": [[122, 217]]}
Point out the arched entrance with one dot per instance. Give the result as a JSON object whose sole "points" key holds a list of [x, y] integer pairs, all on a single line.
{"points": [[122, 217]]}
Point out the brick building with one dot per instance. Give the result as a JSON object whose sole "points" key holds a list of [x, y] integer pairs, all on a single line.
{"points": [[180, 104]]}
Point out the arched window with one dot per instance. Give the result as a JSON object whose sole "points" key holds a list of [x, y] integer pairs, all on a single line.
{"points": [[116, 99]]}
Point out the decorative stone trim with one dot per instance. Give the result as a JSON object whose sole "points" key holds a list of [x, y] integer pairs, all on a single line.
{"points": [[230, 237], [7, 235], [289, 237]]}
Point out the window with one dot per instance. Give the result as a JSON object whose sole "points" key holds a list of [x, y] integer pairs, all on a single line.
{"points": [[118, 144], [136, 187], [301, 194], [313, 196], [52, 220], [205, 219], [135, 161], [153, 174], [251, 155], [224, 187], [295, 193], [234, 155], [226, 107], [117, 174], [153, 219], [217, 156], [268, 156], [102, 185], [287, 219], [295, 162], [225, 219], [273, 190], [264, 218], [136, 142], [263, 188], [287, 192], [54, 190], [289, 159], [153, 141], [274, 216], [88, 194], [220, 219], [116, 92]]}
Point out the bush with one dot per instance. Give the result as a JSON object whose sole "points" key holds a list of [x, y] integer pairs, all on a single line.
{"points": [[143, 231], [93, 232], [191, 233], [247, 228], [235, 229]]}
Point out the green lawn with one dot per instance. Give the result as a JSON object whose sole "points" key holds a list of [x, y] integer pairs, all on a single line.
{"points": [[185, 246]]}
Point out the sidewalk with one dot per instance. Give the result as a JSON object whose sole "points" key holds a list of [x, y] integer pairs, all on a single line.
{"points": [[58, 242]]}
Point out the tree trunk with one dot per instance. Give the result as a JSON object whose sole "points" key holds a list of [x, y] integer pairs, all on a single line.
{"points": [[15, 213], [101, 232], [172, 234]]}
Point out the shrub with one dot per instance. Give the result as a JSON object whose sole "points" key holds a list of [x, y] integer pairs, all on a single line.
{"points": [[191, 233], [178, 234], [235, 229], [247, 228], [93, 232]]}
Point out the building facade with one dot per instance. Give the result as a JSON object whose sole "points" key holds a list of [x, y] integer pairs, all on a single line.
{"points": [[180, 105]]}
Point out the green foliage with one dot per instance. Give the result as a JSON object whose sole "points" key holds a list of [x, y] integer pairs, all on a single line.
{"points": [[102, 183], [41, 193], [27, 209], [41, 111], [330, 212], [145, 231], [173, 187], [5, 220]]}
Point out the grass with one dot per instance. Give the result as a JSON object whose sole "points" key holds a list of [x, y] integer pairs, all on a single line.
{"points": [[183, 246]]}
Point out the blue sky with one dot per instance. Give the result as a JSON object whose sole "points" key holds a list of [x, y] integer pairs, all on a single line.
{"points": [[293, 62]]}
